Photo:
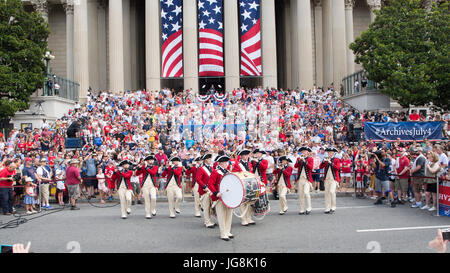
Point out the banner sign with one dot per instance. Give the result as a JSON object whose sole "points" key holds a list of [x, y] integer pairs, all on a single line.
{"points": [[405, 131], [210, 33], [172, 38], [250, 37], [444, 199]]}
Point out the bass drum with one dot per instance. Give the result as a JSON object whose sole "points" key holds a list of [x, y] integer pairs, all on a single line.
{"points": [[237, 188], [261, 206]]}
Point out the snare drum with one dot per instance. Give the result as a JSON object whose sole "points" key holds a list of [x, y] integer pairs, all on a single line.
{"points": [[237, 188], [261, 206]]}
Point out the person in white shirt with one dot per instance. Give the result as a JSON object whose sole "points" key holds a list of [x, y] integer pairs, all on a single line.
{"points": [[443, 159]]}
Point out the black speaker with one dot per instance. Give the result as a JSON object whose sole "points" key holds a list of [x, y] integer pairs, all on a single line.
{"points": [[74, 143]]}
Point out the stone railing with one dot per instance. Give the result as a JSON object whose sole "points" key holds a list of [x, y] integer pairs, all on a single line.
{"points": [[58, 86], [349, 84]]}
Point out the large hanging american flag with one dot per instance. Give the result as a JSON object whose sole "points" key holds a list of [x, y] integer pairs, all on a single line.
{"points": [[250, 37], [172, 38], [210, 25]]}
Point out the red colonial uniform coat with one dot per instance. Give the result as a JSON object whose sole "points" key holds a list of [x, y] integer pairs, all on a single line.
{"points": [[146, 171], [239, 166], [300, 164], [169, 172], [124, 176], [335, 168], [193, 173], [214, 183], [286, 175], [261, 166], [202, 179]]}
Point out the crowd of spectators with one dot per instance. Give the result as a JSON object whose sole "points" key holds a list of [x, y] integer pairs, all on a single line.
{"points": [[131, 125]]}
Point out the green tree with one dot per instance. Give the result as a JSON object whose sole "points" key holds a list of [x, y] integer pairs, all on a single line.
{"points": [[406, 50], [23, 43]]}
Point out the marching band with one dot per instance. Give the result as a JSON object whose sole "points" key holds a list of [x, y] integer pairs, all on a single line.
{"points": [[207, 177]]}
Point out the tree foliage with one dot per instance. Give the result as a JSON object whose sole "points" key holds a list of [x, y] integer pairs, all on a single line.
{"points": [[23, 43], [406, 50]]}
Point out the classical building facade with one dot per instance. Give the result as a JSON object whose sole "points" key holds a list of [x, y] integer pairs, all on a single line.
{"points": [[116, 44]]}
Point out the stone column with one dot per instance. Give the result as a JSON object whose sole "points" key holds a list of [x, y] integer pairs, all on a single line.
{"points": [[294, 45], [327, 43], [116, 47], [42, 7], [269, 44], [133, 46], [190, 45], [152, 45], [93, 45], [126, 43], [101, 14], [318, 20], [287, 43], [373, 5], [339, 44], [232, 54], [81, 48], [304, 44], [349, 35], [68, 7]]}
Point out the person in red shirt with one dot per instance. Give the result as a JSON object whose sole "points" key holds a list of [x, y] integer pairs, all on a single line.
{"points": [[304, 165], [244, 165], [414, 116], [331, 166], [173, 186], [346, 171], [203, 174], [224, 214], [283, 182], [6, 187], [124, 187], [192, 172], [149, 184], [361, 176], [73, 181], [109, 173], [402, 183]]}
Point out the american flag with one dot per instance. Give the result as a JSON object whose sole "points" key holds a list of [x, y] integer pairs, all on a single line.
{"points": [[172, 38], [250, 37], [210, 25]]}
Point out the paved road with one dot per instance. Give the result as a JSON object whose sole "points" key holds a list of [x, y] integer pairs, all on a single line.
{"points": [[350, 229]]}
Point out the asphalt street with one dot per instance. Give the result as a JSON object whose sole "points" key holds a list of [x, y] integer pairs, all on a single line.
{"points": [[357, 226]]}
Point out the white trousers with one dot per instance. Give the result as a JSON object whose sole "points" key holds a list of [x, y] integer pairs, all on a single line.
{"points": [[247, 217], [304, 196], [174, 196], [197, 204], [282, 192], [330, 195], [206, 206], [224, 217], [149, 192], [125, 199]]}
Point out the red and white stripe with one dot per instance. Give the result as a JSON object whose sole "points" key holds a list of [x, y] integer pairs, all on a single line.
{"points": [[251, 52], [172, 56], [210, 53]]}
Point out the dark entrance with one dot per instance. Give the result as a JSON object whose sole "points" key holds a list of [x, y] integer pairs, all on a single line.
{"points": [[206, 84], [175, 84]]}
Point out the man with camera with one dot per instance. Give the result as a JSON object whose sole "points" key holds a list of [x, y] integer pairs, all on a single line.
{"points": [[6, 187], [381, 166]]}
